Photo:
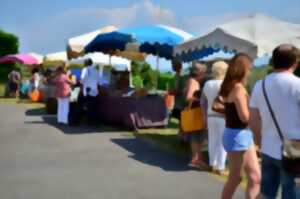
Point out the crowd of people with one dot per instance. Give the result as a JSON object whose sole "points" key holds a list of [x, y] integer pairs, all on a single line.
{"points": [[60, 87], [241, 126], [77, 98]]}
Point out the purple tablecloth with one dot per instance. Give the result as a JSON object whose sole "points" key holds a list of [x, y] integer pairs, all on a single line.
{"points": [[134, 113]]}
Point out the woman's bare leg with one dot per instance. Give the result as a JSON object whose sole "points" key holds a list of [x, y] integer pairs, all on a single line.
{"points": [[252, 171], [235, 169]]}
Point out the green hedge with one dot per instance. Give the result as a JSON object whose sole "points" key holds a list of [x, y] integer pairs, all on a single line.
{"points": [[166, 81]]}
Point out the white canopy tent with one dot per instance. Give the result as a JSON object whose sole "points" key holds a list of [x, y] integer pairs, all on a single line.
{"points": [[58, 56], [75, 46], [257, 35], [102, 59]]}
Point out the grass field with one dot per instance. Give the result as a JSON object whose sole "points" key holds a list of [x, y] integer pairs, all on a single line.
{"points": [[166, 138], [2, 89]]}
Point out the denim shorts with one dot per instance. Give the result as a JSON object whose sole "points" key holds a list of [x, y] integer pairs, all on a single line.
{"points": [[272, 176], [237, 139]]}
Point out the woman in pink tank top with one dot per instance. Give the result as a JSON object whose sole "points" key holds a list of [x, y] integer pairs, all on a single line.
{"points": [[62, 93]]}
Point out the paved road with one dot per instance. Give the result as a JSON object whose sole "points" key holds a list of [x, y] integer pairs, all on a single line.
{"points": [[39, 160]]}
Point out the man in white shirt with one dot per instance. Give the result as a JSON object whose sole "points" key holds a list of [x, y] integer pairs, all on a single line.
{"points": [[283, 91], [90, 79]]}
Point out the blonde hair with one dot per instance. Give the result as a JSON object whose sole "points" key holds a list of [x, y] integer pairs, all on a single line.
{"points": [[219, 70]]}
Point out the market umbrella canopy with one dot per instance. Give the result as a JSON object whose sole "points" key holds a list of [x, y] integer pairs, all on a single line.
{"points": [[57, 57], [158, 40], [38, 57], [19, 58], [75, 46], [257, 35]]}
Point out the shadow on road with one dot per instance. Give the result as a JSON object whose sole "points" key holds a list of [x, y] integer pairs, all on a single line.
{"points": [[72, 130], [35, 112], [147, 154]]}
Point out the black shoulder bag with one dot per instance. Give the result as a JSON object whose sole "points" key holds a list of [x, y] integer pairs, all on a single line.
{"points": [[290, 148]]}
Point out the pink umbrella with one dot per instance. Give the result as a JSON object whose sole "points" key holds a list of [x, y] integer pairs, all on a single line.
{"points": [[20, 58]]}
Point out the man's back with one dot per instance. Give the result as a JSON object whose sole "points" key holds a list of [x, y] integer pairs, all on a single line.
{"points": [[283, 90], [90, 79]]}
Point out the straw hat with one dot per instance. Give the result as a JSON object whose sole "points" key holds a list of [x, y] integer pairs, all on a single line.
{"points": [[219, 70]]}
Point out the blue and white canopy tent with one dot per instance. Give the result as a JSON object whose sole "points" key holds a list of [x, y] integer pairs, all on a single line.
{"points": [[158, 40]]}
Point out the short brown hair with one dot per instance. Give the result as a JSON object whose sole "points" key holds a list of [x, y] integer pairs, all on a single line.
{"points": [[197, 67], [236, 72], [284, 56]]}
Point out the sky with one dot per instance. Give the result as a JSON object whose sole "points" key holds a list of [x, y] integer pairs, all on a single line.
{"points": [[44, 26]]}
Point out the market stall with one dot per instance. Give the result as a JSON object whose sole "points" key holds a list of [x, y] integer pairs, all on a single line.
{"points": [[257, 35], [121, 103]]}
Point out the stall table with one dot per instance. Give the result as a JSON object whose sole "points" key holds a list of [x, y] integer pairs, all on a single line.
{"points": [[134, 113]]}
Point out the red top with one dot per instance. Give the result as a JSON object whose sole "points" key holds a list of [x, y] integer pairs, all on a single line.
{"points": [[63, 88]]}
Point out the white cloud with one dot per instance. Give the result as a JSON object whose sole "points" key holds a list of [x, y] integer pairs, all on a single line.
{"points": [[203, 24], [52, 33], [144, 12]]}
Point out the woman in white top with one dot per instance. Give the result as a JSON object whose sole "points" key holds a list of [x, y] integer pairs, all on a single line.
{"points": [[215, 121], [34, 80]]}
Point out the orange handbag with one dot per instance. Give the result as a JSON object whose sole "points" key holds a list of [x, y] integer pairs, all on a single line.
{"points": [[192, 119], [35, 96], [169, 101]]}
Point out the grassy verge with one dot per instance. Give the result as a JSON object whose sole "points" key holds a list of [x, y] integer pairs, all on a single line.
{"points": [[166, 138], [2, 88], [17, 101]]}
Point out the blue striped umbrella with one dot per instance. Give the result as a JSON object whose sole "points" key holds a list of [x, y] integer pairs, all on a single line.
{"points": [[158, 40]]}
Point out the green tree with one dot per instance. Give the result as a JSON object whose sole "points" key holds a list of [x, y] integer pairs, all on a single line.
{"points": [[143, 75], [9, 43], [136, 67]]}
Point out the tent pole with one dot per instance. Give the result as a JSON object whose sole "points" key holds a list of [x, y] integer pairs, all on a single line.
{"points": [[157, 63], [157, 71]]}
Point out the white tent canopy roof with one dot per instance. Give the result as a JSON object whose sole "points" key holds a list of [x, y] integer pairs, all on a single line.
{"points": [[256, 35], [102, 59], [76, 44], [58, 56]]}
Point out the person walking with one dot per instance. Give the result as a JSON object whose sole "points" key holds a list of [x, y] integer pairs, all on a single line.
{"points": [[282, 90], [62, 93], [215, 121], [237, 138]]}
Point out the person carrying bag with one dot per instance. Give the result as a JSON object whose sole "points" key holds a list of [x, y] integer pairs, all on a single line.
{"points": [[192, 119], [290, 148], [275, 121]]}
